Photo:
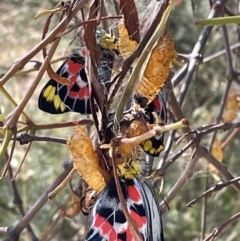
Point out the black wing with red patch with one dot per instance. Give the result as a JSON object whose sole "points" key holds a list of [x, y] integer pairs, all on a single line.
{"points": [[108, 222], [56, 98]]}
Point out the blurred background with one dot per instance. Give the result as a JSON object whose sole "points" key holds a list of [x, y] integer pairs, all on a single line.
{"points": [[19, 33]]}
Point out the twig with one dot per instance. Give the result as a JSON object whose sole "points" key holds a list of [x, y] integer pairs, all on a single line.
{"points": [[86, 22], [195, 141], [214, 188], [230, 137], [229, 76], [10, 156], [21, 163], [19, 64], [219, 53], [9, 97], [17, 200], [204, 210], [57, 215], [218, 230], [60, 187], [35, 127], [26, 138], [14, 232], [197, 50]]}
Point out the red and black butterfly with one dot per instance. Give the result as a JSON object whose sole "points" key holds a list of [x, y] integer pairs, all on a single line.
{"points": [[56, 98], [154, 145], [107, 221]]}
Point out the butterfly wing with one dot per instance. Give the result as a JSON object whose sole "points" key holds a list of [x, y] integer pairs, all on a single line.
{"points": [[56, 98], [49, 100], [154, 227], [107, 220], [76, 97], [108, 223]]}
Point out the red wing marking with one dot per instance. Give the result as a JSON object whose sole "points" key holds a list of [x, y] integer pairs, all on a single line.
{"points": [[105, 227], [141, 221], [83, 93], [73, 78], [134, 194], [73, 68], [129, 235], [157, 104]]}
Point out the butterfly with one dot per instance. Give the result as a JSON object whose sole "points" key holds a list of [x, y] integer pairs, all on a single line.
{"points": [[107, 221], [56, 98], [154, 145]]}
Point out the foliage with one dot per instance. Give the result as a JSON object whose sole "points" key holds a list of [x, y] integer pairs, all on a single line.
{"points": [[208, 85]]}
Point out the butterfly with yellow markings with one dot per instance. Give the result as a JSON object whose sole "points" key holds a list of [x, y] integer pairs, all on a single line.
{"points": [[155, 113], [56, 98]]}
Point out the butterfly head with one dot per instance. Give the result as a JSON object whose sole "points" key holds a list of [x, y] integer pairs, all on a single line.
{"points": [[129, 169], [107, 40]]}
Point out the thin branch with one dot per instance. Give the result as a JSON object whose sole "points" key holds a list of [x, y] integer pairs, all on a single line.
{"points": [[14, 232], [230, 137], [88, 21], [218, 230], [28, 138], [229, 76], [59, 188], [219, 53], [20, 63], [22, 161], [198, 49], [196, 141], [204, 208], [17, 200], [10, 156], [214, 188], [36, 127]]}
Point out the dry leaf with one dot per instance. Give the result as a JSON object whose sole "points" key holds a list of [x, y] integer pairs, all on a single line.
{"points": [[231, 106], [125, 45], [158, 68], [85, 160], [217, 152], [75, 207]]}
